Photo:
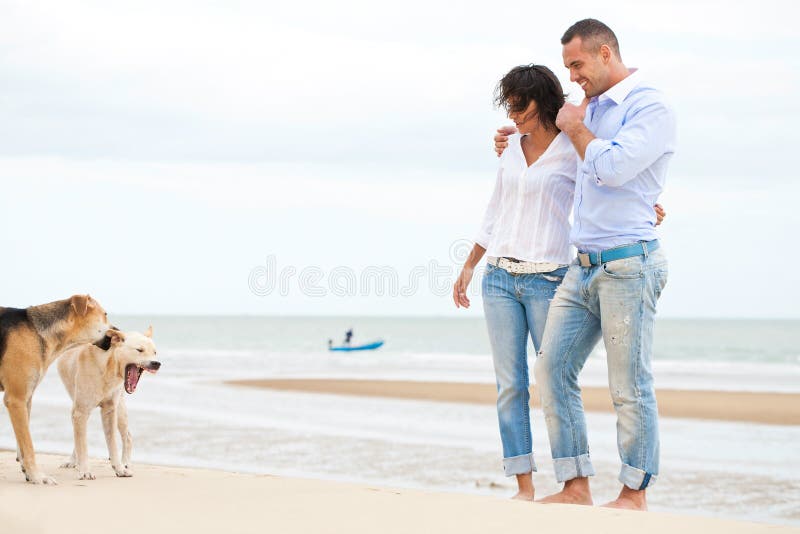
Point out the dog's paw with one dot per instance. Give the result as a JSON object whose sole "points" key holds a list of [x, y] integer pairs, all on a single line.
{"points": [[86, 476], [68, 465], [123, 472], [38, 478]]}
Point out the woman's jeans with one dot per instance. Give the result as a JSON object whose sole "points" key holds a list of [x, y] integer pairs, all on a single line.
{"points": [[515, 305], [615, 301]]}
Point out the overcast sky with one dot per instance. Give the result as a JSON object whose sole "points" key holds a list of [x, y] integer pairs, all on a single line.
{"points": [[182, 157]]}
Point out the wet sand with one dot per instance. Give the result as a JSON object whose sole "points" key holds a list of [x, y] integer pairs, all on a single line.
{"points": [[756, 407]]}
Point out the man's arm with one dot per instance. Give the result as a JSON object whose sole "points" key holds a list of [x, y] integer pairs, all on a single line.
{"points": [[570, 121], [643, 139], [501, 139]]}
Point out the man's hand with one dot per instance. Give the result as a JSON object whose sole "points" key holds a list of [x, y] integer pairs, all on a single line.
{"points": [[501, 139], [571, 116], [660, 213]]}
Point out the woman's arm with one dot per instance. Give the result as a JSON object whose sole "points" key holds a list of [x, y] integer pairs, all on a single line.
{"points": [[492, 211], [462, 283]]}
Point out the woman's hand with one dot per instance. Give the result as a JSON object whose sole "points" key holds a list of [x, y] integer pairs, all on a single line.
{"points": [[460, 287], [463, 280]]}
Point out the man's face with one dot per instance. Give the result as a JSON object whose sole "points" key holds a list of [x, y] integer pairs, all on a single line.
{"points": [[589, 69]]}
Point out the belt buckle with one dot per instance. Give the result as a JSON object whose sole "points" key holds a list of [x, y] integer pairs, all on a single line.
{"points": [[584, 260]]}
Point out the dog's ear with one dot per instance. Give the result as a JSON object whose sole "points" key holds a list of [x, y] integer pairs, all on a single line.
{"points": [[81, 304], [104, 343], [116, 336], [149, 331]]}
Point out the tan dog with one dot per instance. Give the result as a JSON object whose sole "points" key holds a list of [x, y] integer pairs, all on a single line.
{"points": [[95, 375], [30, 339]]}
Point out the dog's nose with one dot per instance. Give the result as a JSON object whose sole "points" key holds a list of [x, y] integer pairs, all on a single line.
{"points": [[155, 366]]}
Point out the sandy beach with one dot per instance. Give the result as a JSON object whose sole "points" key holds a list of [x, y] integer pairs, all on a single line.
{"points": [[757, 407], [166, 499], [412, 419]]}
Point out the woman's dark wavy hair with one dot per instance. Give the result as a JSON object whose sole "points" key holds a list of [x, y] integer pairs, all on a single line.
{"points": [[522, 84]]}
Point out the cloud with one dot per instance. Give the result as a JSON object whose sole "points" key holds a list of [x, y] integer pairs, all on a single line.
{"points": [[356, 132]]}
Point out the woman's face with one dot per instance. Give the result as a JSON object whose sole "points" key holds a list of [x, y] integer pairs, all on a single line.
{"points": [[526, 120]]}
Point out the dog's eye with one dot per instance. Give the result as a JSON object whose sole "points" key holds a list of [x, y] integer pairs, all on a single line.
{"points": [[140, 350]]}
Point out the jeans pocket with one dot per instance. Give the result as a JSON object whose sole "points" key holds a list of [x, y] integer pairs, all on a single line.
{"points": [[556, 276], [624, 268], [660, 276]]}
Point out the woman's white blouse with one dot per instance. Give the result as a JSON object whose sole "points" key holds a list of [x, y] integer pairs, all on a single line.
{"points": [[528, 217]]}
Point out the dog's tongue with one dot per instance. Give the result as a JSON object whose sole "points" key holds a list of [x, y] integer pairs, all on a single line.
{"points": [[132, 374]]}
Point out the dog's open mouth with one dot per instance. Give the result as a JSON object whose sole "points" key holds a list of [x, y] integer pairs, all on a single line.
{"points": [[132, 374]]}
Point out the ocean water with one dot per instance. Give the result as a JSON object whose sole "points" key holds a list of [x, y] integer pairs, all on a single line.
{"points": [[186, 416]]}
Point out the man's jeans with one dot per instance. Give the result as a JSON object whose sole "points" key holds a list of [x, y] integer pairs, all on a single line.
{"points": [[615, 300], [515, 305]]}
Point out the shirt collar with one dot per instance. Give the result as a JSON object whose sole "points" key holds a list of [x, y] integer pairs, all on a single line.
{"points": [[619, 92]]}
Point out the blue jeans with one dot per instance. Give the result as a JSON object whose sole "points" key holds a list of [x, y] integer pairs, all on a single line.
{"points": [[515, 305], [616, 301]]}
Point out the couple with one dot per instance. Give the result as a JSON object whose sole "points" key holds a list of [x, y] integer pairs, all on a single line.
{"points": [[623, 135]]}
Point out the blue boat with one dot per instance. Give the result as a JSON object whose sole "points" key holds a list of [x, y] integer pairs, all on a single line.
{"points": [[348, 348]]}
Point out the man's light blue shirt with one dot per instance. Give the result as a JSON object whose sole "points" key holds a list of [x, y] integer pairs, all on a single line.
{"points": [[624, 168]]}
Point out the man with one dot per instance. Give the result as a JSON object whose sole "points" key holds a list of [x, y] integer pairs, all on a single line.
{"points": [[348, 336], [624, 134]]}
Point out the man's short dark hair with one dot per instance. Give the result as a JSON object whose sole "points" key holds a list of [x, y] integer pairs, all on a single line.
{"points": [[593, 34], [528, 83]]}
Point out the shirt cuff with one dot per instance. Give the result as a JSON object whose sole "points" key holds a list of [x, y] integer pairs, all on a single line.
{"points": [[594, 149], [483, 239]]}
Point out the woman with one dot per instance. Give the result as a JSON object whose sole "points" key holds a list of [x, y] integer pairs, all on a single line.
{"points": [[525, 234]]}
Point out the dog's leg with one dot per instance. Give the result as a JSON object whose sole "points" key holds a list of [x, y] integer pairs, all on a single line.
{"points": [[72, 462], [18, 412], [109, 428], [79, 417], [19, 452], [127, 439], [73, 459]]}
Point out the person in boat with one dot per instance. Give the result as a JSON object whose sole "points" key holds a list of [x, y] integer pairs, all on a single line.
{"points": [[348, 336], [525, 235]]}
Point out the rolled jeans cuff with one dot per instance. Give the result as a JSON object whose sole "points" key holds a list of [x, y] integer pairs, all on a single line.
{"points": [[519, 465], [573, 467], [636, 479]]}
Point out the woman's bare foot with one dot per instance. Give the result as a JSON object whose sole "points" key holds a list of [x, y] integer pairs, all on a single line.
{"points": [[629, 500], [526, 489], [576, 491]]}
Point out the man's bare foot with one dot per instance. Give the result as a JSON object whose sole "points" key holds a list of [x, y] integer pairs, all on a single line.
{"points": [[576, 491], [629, 500], [526, 489]]}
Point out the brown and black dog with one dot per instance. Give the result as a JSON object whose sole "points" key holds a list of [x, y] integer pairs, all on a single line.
{"points": [[30, 339]]}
